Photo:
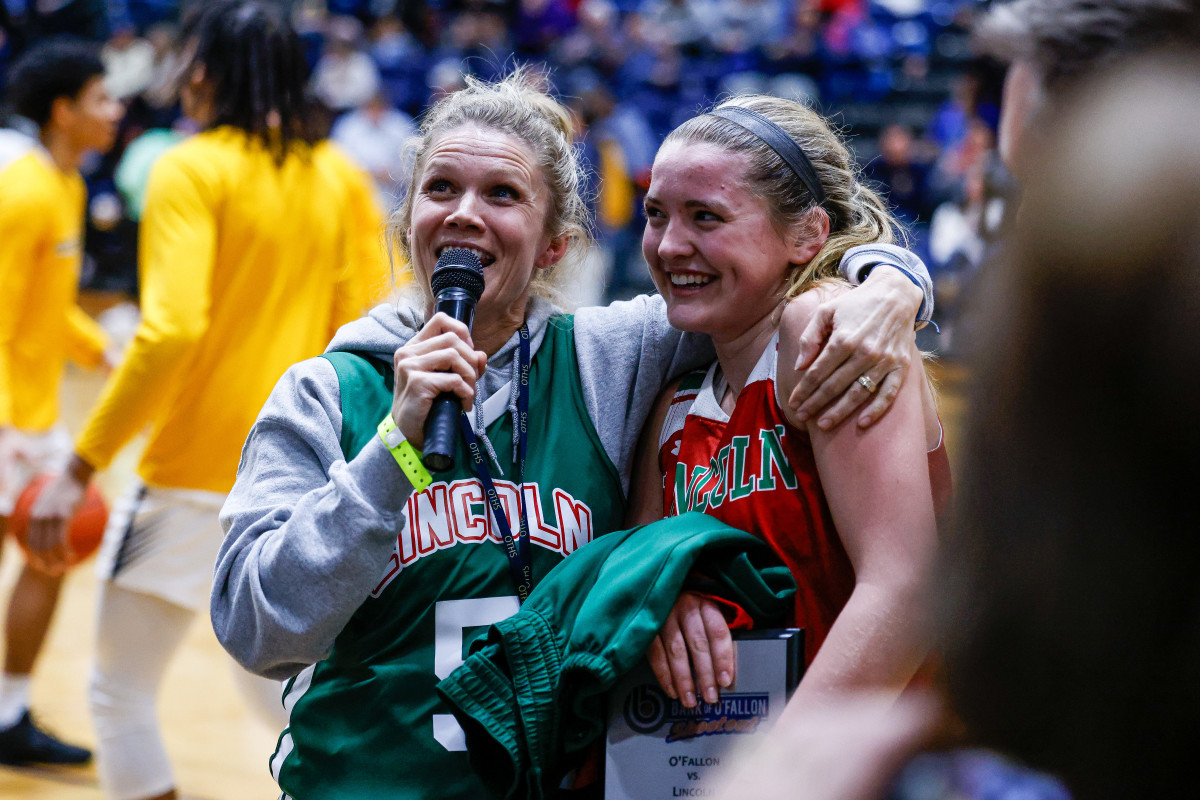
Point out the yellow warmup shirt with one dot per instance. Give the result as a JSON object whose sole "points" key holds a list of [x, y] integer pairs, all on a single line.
{"points": [[41, 247], [246, 267], [372, 249]]}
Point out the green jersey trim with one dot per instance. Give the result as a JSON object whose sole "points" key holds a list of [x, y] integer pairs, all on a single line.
{"points": [[364, 382], [567, 321]]}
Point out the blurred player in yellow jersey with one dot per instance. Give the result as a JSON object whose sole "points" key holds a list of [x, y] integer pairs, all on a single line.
{"points": [[253, 250], [59, 87]]}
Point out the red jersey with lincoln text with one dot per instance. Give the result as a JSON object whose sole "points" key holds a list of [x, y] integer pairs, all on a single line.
{"points": [[753, 470]]}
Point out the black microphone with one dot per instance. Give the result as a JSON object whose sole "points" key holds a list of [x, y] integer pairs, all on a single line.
{"points": [[457, 284]]}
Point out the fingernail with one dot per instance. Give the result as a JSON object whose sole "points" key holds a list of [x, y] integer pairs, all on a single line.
{"points": [[711, 696], [864, 422], [725, 679], [825, 424], [801, 416], [689, 700]]}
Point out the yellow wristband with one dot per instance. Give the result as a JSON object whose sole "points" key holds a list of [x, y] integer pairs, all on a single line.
{"points": [[407, 456]]}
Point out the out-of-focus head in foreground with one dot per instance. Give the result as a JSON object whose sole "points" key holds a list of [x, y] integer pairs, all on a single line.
{"points": [[1052, 45], [1072, 611]]}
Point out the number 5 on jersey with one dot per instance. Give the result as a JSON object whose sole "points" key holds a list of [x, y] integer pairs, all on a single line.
{"points": [[450, 619]]}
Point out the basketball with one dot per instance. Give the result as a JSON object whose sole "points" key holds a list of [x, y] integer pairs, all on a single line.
{"points": [[86, 528]]}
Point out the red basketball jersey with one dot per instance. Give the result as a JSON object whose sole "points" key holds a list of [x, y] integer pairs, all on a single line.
{"points": [[755, 471]]}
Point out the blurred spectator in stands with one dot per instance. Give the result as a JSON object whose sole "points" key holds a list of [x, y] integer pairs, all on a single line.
{"points": [[506, 9], [962, 228], [798, 49], [829, 7], [160, 94], [349, 8], [858, 51], [374, 137], [308, 17], [9, 29], [619, 148], [540, 23], [128, 62], [445, 77], [392, 43], [156, 105], [952, 123], [913, 72], [479, 41], [12, 39], [597, 42], [962, 236], [795, 86], [652, 77], [902, 176], [681, 24], [345, 77], [86, 19], [739, 29], [841, 22], [955, 162], [401, 61], [143, 14]]}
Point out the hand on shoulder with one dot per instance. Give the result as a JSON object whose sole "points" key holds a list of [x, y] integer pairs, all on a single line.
{"points": [[852, 354]]}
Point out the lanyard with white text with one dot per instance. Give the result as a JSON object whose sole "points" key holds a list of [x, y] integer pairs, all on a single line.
{"points": [[520, 563]]}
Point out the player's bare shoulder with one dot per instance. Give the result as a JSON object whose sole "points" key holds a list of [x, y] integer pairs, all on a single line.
{"points": [[800, 310], [794, 319]]}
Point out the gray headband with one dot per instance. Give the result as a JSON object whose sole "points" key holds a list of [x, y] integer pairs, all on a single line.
{"points": [[778, 140]]}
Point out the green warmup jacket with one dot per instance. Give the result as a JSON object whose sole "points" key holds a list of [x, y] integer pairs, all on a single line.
{"points": [[532, 694]]}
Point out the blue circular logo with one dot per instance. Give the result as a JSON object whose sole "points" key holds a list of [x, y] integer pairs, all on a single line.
{"points": [[645, 708]]}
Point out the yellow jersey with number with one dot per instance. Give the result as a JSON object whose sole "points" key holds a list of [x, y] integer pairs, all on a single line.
{"points": [[246, 267], [41, 248]]}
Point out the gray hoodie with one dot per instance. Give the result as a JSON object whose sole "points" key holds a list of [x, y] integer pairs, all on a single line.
{"points": [[307, 534]]}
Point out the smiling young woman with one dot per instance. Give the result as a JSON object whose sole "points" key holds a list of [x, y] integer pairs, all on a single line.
{"points": [[750, 207], [713, 247]]}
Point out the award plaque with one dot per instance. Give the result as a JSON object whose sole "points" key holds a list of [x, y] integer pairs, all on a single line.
{"points": [[657, 748]]}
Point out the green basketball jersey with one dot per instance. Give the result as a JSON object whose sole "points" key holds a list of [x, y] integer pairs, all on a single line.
{"points": [[366, 722]]}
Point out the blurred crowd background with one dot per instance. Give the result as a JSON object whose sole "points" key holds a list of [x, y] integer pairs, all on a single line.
{"points": [[898, 75]]}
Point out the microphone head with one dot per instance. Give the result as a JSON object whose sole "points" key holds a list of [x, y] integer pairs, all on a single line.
{"points": [[460, 268]]}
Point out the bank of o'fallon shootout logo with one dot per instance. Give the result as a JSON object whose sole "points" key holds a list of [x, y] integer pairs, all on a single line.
{"points": [[648, 709]]}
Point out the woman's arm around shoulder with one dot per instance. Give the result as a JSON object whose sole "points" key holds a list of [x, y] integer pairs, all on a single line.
{"points": [[876, 481], [627, 351], [307, 534], [867, 331]]}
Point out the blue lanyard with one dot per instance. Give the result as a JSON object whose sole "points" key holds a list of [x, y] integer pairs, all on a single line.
{"points": [[520, 563]]}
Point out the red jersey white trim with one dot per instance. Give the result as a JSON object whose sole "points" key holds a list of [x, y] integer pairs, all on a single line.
{"points": [[753, 470]]}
